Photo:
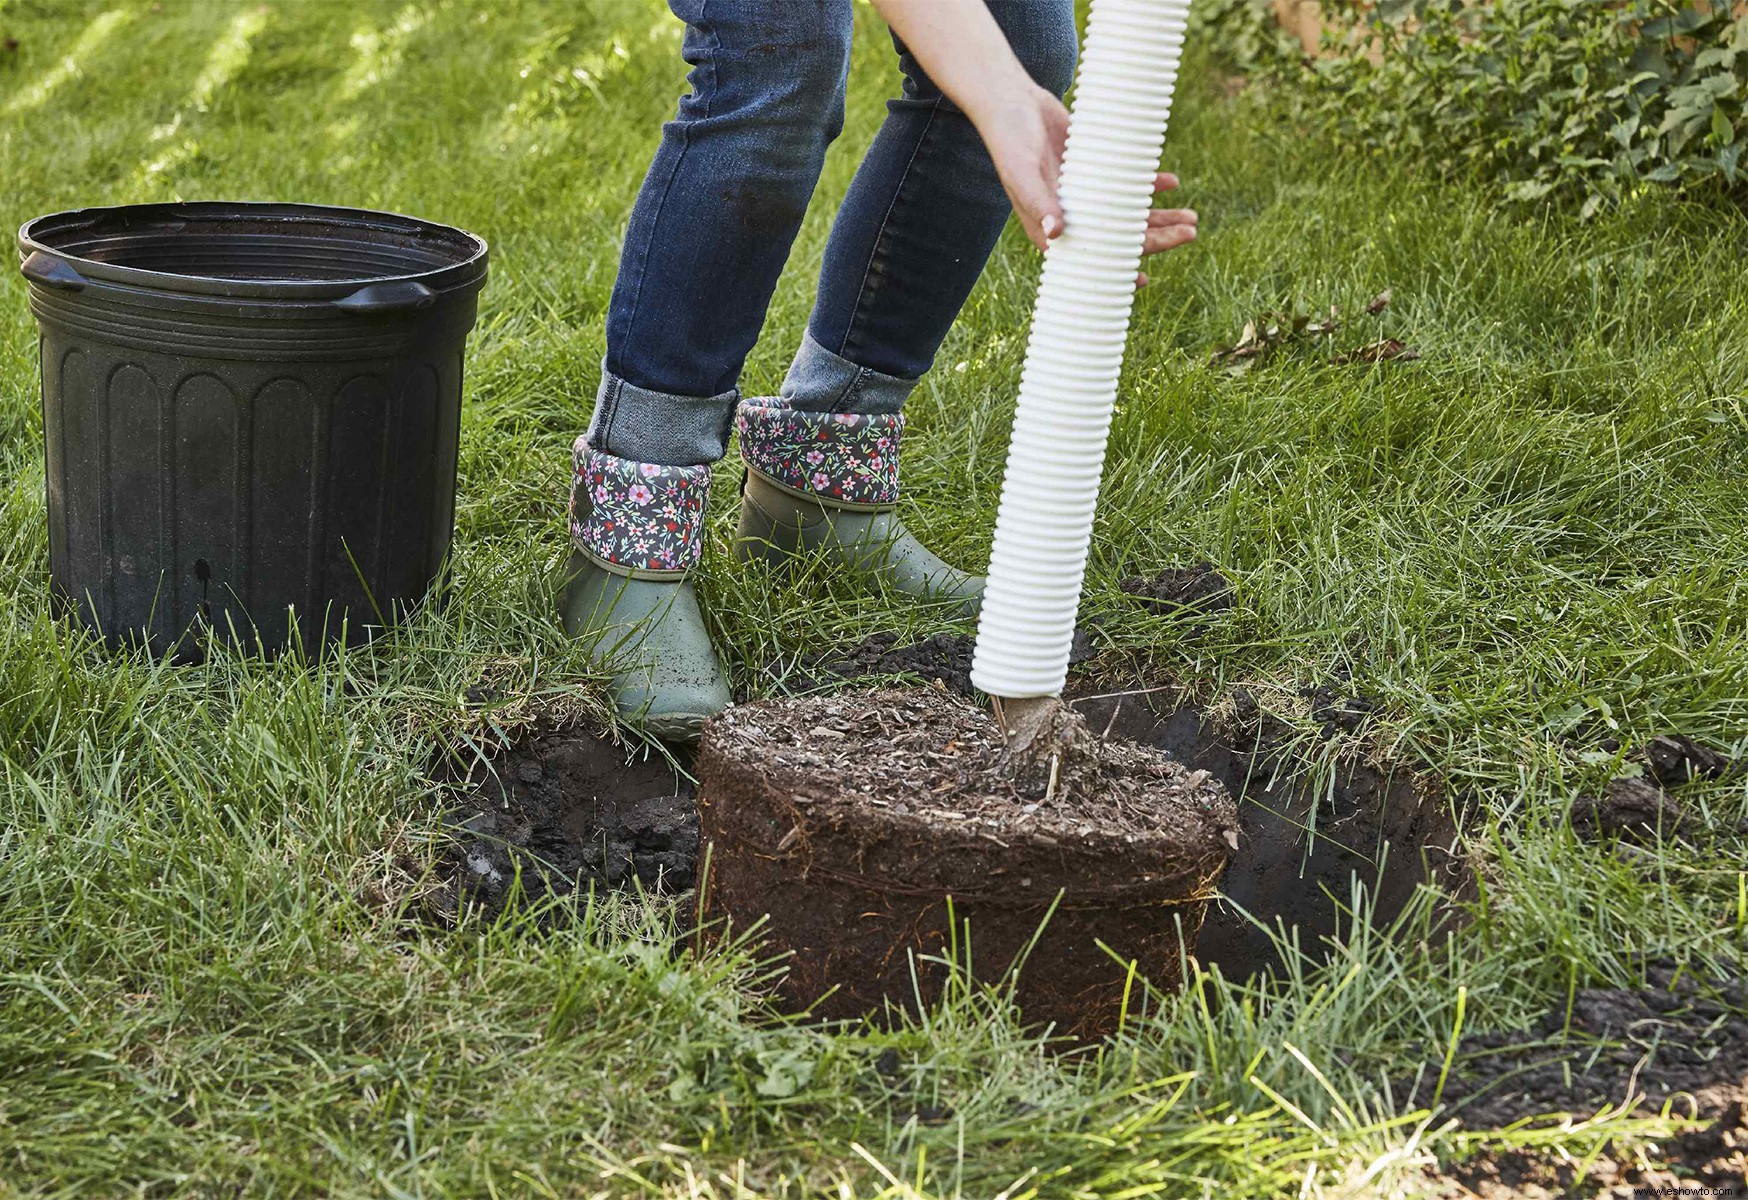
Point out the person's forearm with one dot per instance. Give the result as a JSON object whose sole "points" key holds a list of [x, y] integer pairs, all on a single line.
{"points": [[962, 49]]}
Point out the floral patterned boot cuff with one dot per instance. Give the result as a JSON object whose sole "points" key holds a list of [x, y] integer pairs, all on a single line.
{"points": [[636, 515], [849, 458]]}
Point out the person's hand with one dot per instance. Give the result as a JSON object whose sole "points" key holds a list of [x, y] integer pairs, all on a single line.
{"points": [[1025, 132], [1025, 129], [1167, 228]]}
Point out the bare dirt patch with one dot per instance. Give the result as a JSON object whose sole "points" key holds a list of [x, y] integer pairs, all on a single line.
{"points": [[1680, 1046], [563, 810], [1305, 834]]}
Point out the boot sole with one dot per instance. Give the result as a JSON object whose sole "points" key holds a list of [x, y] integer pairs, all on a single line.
{"points": [[682, 729]]}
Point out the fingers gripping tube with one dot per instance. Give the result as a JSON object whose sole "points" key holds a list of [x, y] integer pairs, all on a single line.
{"points": [[1079, 325]]}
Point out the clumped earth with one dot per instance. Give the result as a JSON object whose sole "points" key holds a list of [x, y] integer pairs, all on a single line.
{"points": [[566, 810], [845, 822], [1681, 1043], [1633, 810], [1639, 809], [1197, 588], [945, 658]]}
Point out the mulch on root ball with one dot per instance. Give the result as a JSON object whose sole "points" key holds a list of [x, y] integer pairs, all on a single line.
{"points": [[847, 821]]}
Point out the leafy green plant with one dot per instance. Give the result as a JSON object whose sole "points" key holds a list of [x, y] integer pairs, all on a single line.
{"points": [[1582, 100]]}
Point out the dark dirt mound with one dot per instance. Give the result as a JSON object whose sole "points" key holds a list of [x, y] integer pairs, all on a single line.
{"points": [[1197, 588], [861, 828], [571, 809], [1303, 836], [943, 658], [1337, 710], [1634, 810], [1681, 1043], [1674, 759], [1639, 809]]}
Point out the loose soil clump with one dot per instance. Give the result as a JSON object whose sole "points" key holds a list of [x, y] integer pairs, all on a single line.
{"points": [[1639, 809], [1674, 759], [846, 822], [1197, 588], [569, 810], [1681, 1044], [943, 658], [1633, 810]]}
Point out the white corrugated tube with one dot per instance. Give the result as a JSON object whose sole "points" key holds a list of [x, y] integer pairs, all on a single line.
{"points": [[1062, 418]]}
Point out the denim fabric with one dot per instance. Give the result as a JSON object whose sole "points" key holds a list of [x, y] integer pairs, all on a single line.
{"points": [[668, 428], [820, 381], [719, 209]]}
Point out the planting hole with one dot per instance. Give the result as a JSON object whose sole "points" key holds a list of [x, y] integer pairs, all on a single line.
{"points": [[572, 810]]}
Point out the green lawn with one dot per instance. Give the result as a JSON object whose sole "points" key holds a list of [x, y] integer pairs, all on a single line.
{"points": [[214, 978]]}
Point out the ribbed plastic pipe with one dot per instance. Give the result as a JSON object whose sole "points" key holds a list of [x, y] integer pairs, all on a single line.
{"points": [[1080, 323]]}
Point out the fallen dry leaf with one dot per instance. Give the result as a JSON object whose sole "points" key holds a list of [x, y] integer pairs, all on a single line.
{"points": [[1379, 302], [1388, 350]]}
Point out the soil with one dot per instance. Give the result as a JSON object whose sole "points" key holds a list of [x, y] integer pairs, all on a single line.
{"points": [[1633, 810], [1673, 759], [1681, 1043], [846, 823], [945, 658], [1640, 809], [573, 810], [570, 810], [1303, 837], [1198, 588]]}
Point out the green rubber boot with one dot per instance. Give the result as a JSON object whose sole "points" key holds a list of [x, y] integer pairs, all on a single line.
{"points": [[777, 523], [636, 533], [649, 635]]}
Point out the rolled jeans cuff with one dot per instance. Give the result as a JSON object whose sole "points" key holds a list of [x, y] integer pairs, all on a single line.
{"points": [[647, 426], [822, 382]]}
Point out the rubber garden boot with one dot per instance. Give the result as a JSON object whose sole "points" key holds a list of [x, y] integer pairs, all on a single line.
{"points": [[828, 482], [636, 533]]}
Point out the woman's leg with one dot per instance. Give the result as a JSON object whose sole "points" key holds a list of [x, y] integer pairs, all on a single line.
{"points": [[920, 220], [715, 220], [923, 214], [708, 237]]}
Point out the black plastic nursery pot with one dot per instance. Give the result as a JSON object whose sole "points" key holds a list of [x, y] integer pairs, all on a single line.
{"points": [[251, 415]]}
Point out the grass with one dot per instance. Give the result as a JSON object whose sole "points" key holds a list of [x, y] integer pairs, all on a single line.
{"points": [[212, 975]]}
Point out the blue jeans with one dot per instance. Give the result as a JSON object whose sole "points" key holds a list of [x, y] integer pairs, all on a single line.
{"points": [[719, 209]]}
